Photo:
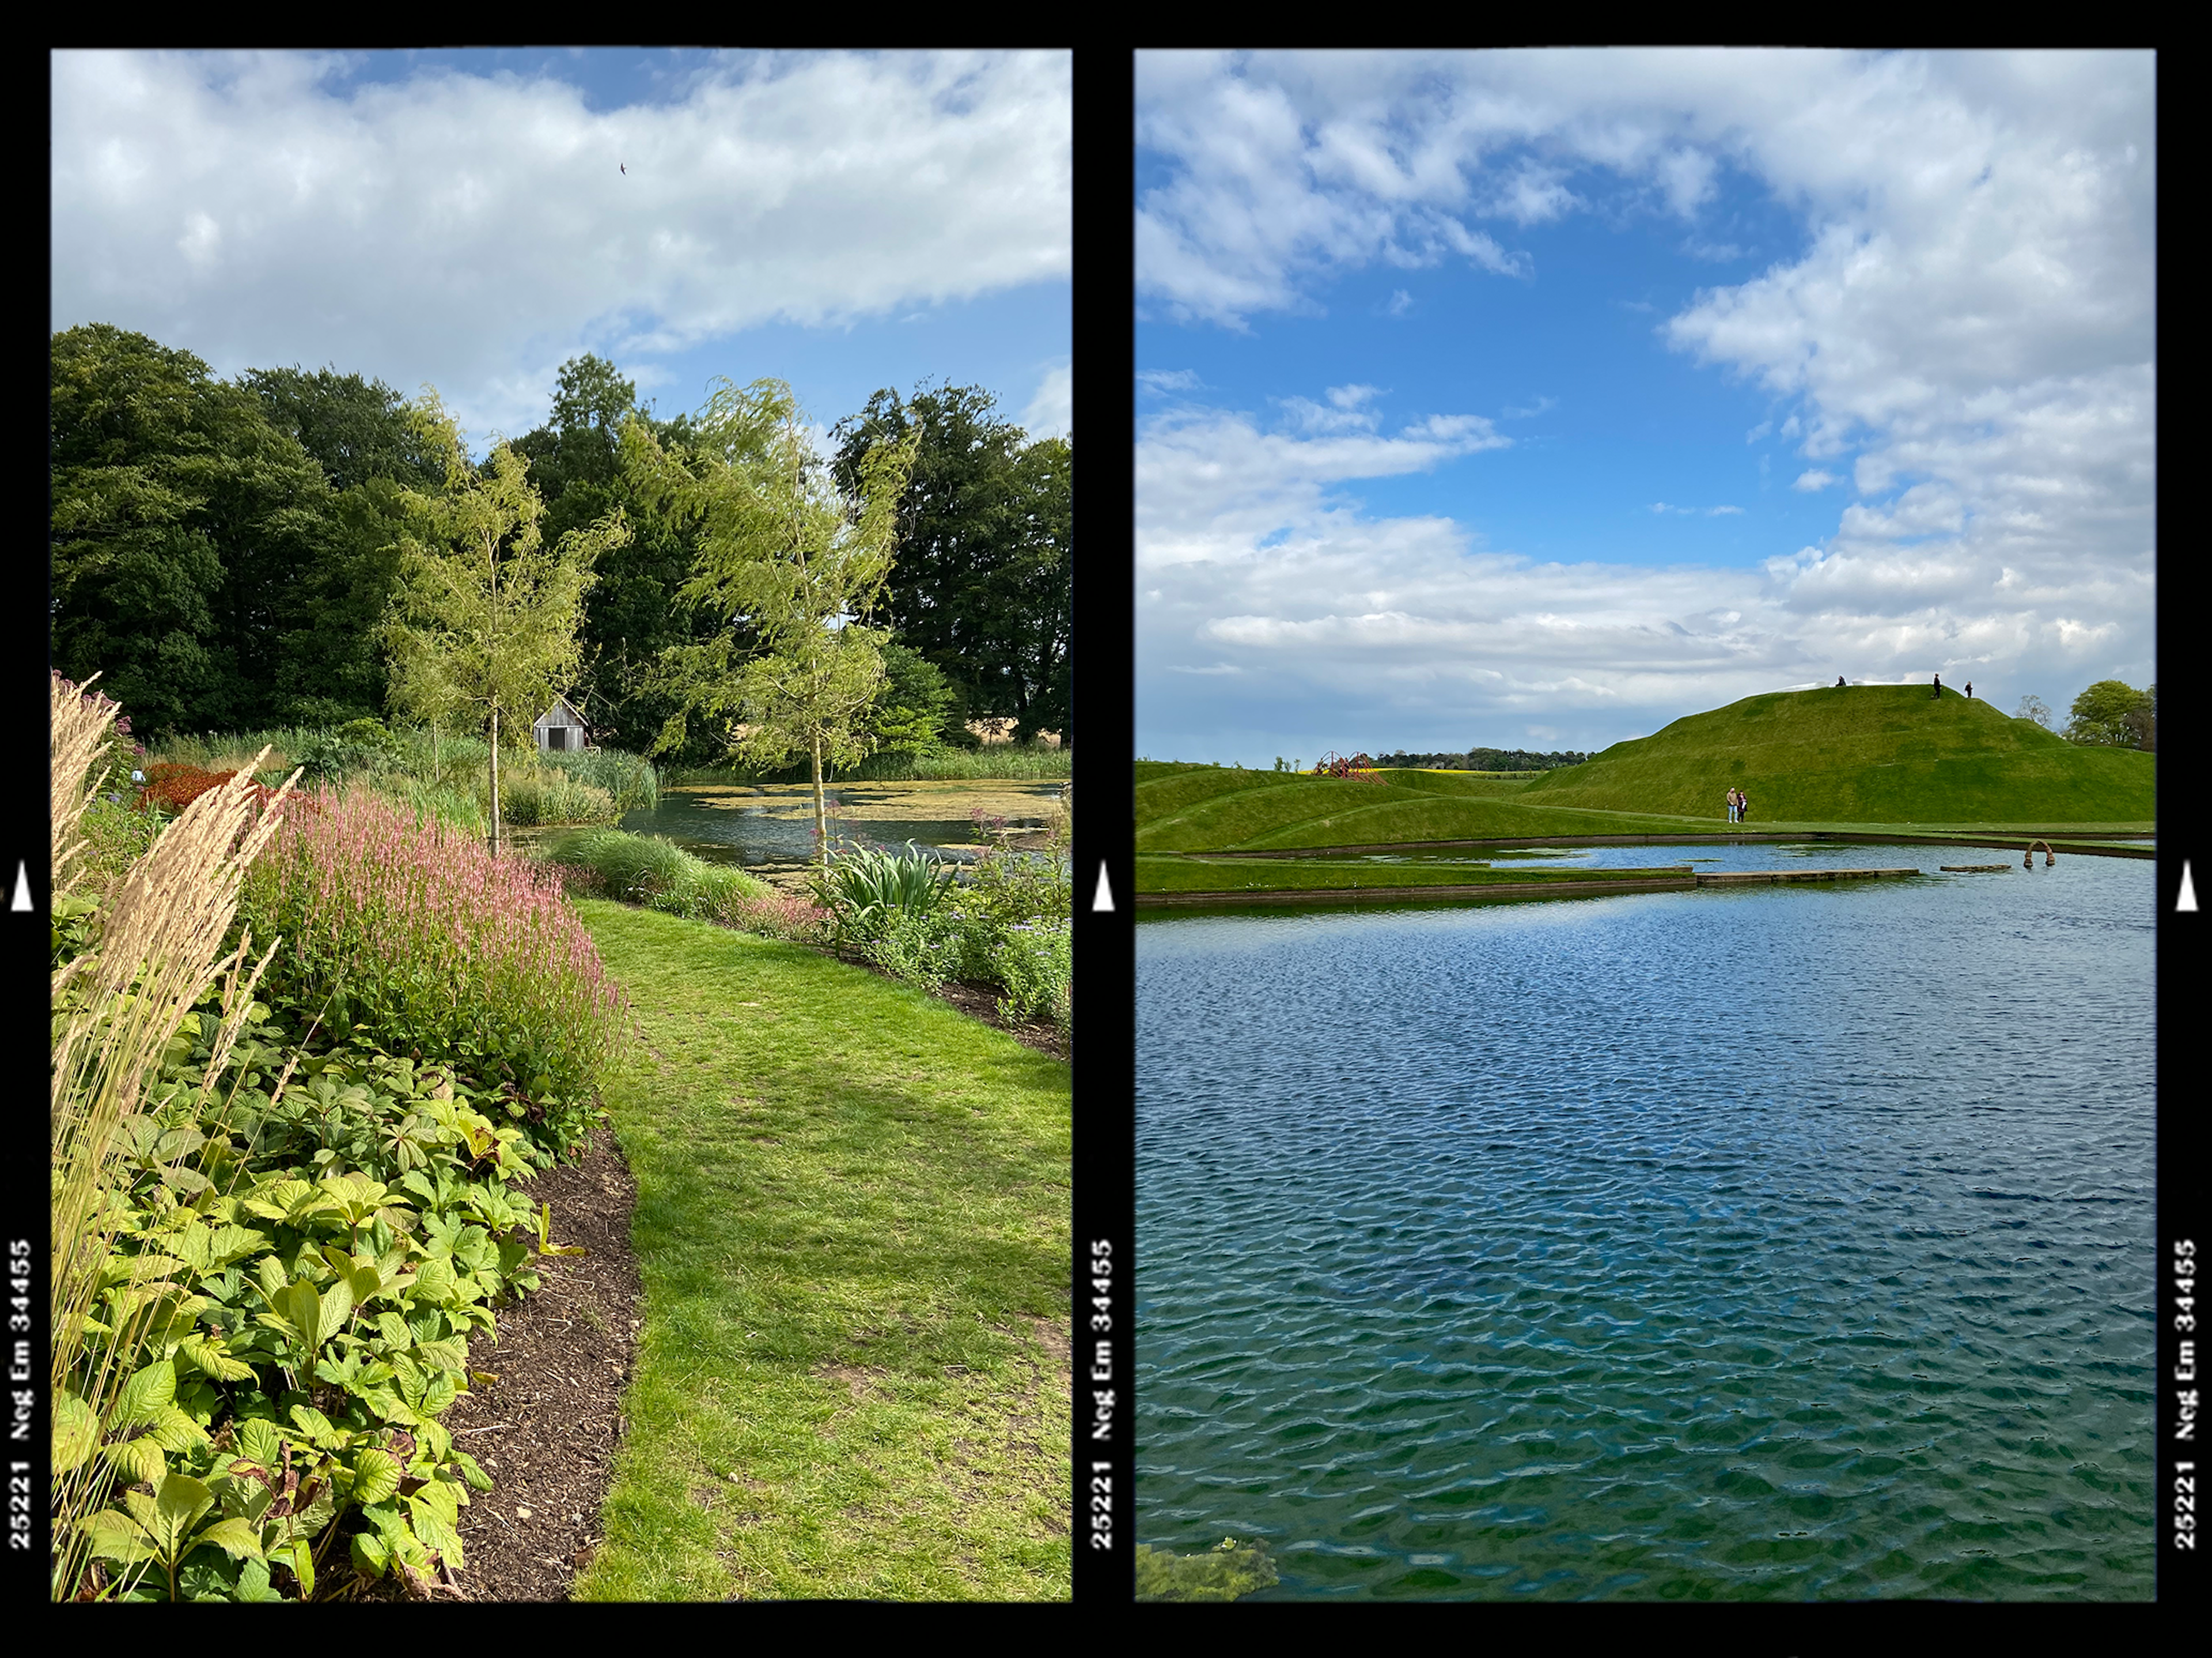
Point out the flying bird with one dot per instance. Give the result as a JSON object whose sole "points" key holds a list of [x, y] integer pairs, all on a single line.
{"points": [[625, 167]]}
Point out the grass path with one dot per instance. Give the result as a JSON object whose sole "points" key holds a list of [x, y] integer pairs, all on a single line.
{"points": [[853, 1228]]}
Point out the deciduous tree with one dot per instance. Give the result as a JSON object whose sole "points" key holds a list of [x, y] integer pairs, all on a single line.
{"points": [[488, 616], [789, 566], [2111, 713]]}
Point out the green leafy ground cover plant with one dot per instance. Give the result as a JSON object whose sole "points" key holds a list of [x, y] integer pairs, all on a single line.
{"points": [[852, 1227]]}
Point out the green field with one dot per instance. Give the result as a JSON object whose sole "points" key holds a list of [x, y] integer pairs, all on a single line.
{"points": [[1859, 757]]}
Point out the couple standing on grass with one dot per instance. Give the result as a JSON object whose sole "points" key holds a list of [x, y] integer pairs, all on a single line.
{"points": [[1739, 804]]}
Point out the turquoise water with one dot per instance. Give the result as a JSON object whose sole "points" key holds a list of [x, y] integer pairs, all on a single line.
{"points": [[1751, 1244]]}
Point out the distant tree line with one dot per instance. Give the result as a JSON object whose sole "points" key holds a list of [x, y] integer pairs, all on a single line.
{"points": [[2109, 714], [226, 555], [1482, 760]]}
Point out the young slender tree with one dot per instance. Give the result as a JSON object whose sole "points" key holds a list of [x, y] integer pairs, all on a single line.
{"points": [[791, 566], [487, 616]]}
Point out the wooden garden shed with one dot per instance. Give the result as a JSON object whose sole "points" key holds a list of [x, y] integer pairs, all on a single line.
{"points": [[561, 727]]}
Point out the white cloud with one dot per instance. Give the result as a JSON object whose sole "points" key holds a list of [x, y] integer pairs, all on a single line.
{"points": [[1169, 380], [453, 226], [1722, 512], [1350, 629], [1400, 303], [1968, 334], [1051, 412]]}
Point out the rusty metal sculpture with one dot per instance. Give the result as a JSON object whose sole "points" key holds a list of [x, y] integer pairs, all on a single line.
{"points": [[1358, 768]]}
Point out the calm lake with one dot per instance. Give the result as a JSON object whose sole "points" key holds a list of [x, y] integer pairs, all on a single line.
{"points": [[1751, 1244], [770, 829]]}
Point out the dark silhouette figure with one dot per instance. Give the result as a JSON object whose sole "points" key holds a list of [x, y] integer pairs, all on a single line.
{"points": [[1839, 679], [1970, 690], [625, 167], [1938, 691]]}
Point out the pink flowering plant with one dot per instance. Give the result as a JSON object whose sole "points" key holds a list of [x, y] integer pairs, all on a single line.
{"points": [[407, 936]]}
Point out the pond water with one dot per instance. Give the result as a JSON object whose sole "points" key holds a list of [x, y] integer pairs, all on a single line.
{"points": [[771, 829], [1750, 1243]]}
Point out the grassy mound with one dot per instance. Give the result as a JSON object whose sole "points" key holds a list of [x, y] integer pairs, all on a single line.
{"points": [[1868, 753], [1857, 756]]}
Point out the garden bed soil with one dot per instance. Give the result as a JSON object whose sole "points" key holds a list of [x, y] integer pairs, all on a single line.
{"points": [[546, 1431]]}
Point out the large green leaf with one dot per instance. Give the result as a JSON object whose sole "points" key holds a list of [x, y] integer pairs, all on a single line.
{"points": [[177, 1507], [76, 1431], [144, 1397], [235, 1537], [174, 1430], [375, 1477], [116, 1537], [138, 1461], [260, 1440], [210, 1357], [207, 1249], [371, 1554]]}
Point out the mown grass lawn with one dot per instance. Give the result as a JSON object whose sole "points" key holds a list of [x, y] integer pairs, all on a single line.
{"points": [[852, 1226]]}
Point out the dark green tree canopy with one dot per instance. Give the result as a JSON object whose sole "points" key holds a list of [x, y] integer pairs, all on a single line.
{"points": [[981, 587], [356, 430], [181, 521]]}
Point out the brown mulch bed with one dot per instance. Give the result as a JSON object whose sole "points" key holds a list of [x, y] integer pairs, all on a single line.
{"points": [[546, 1431]]}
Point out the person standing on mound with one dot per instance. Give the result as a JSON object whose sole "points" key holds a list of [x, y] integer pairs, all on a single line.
{"points": [[1731, 803], [1970, 690], [1938, 691], [1742, 805]]}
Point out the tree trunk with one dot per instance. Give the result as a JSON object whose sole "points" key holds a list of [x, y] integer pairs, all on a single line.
{"points": [[820, 817], [495, 779]]}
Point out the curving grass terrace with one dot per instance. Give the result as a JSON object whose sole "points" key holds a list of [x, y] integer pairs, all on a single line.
{"points": [[1861, 759]]}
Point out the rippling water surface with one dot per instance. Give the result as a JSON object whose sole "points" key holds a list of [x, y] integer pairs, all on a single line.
{"points": [[1776, 1243]]}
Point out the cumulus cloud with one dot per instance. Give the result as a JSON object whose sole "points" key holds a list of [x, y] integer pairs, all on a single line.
{"points": [[1051, 412], [470, 223], [1966, 333], [1281, 611]]}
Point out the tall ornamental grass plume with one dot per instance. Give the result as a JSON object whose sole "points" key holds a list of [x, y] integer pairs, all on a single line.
{"points": [[424, 943], [130, 964]]}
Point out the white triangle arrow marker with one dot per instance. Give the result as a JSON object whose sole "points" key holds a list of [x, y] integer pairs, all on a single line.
{"points": [[1105, 898], [23, 887], [2186, 900]]}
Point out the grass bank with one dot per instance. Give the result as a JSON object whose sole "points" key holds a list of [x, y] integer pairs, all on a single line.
{"points": [[853, 1228]]}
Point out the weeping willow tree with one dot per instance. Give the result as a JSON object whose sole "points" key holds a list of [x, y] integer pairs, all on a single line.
{"points": [[791, 566], [485, 623]]}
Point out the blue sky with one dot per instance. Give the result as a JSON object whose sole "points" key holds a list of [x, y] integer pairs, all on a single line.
{"points": [[1540, 398], [842, 221]]}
